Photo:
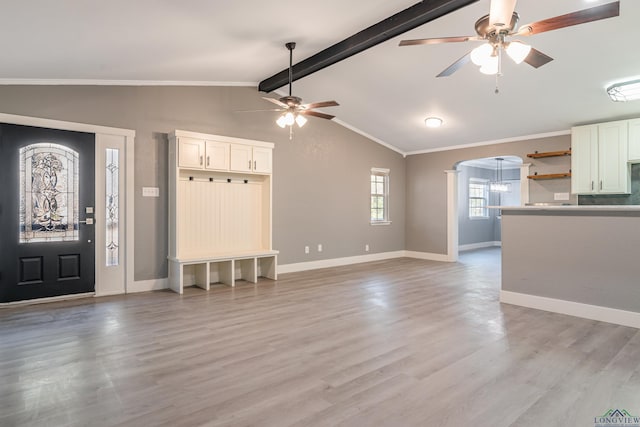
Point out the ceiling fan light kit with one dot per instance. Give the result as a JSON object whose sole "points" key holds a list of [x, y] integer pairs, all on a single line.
{"points": [[518, 51], [625, 91]]}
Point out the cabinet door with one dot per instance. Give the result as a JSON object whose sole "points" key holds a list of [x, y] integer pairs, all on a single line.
{"points": [[241, 158], [613, 155], [217, 155], [584, 159], [634, 140], [262, 160], [190, 153]]}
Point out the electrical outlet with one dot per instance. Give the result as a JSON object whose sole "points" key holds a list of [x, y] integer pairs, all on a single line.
{"points": [[560, 196], [366, 248], [306, 249], [319, 247]]}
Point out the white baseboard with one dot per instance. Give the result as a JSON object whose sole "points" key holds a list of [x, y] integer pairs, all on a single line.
{"points": [[149, 285], [428, 256], [586, 311], [159, 284], [481, 245], [337, 262]]}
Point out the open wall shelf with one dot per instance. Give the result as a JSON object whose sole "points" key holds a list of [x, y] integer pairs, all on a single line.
{"points": [[551, 176], [537, 155]]}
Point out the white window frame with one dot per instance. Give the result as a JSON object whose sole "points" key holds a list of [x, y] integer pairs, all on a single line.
{"points": [[485, 198], [383, 172]]}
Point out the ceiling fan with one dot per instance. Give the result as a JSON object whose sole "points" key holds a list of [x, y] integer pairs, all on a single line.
{"points": [[502, 23], [292, 108]]}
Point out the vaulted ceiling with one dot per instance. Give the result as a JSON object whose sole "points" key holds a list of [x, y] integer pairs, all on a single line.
{"points": [[384, 92]]}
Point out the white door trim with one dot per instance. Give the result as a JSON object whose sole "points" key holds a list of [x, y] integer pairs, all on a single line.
{"points": [[452, 215], [129, 137]]}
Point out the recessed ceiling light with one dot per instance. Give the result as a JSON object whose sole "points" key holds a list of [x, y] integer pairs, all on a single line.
{"points": [[433, 122], [625, 91]]}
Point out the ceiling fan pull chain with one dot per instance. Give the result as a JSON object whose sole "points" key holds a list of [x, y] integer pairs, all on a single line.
{"points": [[497, 91]]}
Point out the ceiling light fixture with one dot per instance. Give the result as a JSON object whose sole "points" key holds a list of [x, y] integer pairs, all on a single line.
{"points": [[625, 91], [499, 186], [288, 118], [488, 56], [433, 122]]}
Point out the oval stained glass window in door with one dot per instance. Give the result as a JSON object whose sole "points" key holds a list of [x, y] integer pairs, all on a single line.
{"points": [[48, 193]]}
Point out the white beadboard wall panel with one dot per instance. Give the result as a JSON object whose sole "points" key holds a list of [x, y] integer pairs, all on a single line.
{"points": [[220, 217]]}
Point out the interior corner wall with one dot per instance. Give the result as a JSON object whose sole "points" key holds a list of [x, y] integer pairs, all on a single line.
{"points": [[426, 191], [321, 177]]}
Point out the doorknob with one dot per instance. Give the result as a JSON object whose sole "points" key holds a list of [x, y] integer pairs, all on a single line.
{"points": [[89, 221]]}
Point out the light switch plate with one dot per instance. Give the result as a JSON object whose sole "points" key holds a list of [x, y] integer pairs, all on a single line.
{"points": [[560, 196], [150, 192]]}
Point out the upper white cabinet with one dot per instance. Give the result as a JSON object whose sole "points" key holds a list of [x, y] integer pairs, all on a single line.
{"points": [[634, 140], [262, 160], [246, 158], [196, 153], [191, 153], [599, 158], [218, 153], [241, 158]]}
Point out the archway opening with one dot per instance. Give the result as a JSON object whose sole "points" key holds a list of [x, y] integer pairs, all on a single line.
{"points": [[483, 185]]}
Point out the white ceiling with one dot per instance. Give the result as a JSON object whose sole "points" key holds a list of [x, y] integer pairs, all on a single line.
{"points": [[385, 92]]}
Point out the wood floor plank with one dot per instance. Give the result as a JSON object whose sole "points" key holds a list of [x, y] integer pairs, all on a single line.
{"points": [[398, 342]]}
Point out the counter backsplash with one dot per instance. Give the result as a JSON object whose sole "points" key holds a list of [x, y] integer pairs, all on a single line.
{"points": [[617, 199]]}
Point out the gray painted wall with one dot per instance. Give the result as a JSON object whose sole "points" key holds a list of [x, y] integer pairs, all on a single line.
{"points": [[426, 191], [321, 178]]}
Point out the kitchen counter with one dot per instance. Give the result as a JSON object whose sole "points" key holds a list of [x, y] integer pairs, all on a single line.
{"points": [[569, 208], [579, 260]]}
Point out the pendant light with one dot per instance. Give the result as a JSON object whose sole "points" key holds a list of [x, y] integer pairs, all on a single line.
{"points": [[499, 186]]}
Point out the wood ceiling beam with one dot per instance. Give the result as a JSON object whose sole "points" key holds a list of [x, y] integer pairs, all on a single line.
{"points": [[408, 19]]}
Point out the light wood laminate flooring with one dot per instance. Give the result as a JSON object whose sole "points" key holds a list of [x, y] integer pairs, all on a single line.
{"points": [[401, 342]]}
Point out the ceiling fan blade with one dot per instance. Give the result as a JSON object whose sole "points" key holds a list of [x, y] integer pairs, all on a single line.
{"points": [[596, 13], [316, 114], [455, 66], [256, 111], [275, 101], [501, 12], [319, 105], [537, 59], [438, 40]]}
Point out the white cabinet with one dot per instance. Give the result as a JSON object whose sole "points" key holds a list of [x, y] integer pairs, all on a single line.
{"points": [[220, 216], [191, 153], [199, 153], [612, 158], [241, 158], [634, 140], [262, 160], [216, 155], [245, 158], [599, 156], [196, 153]]}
